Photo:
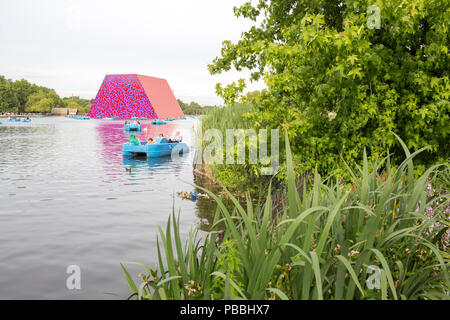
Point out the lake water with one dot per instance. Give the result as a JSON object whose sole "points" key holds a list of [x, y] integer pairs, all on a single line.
{"points": [[66, 198]]}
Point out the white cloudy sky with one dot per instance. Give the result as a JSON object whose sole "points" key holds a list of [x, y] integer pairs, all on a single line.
{"points": [[71, 45]]}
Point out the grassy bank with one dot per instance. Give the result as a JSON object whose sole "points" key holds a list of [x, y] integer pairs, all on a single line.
{"points": [[383, 236]]}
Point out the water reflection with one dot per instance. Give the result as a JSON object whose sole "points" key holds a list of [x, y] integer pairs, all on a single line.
{"points": [[67, 198], [134, 165]]}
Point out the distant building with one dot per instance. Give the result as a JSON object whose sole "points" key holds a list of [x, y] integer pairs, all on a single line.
{"points": [[72, 112], [131, 95], [59, 111]]}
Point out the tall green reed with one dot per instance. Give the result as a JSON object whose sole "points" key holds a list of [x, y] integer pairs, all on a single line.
{"points": [[321, 245]]}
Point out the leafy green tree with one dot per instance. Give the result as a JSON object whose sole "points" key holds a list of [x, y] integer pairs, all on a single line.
{"points": [[43, 105], [340, 82], [23, 89], [182, 104], [194, 108], [251, 97], [22, 96], [8, 100], [83, 105], [43, 100]]}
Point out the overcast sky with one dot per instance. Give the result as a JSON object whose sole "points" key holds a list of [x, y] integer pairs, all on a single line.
{"points": [[71, 45]]}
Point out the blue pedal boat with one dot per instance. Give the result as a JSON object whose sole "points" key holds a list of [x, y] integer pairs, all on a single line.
{"points": [[80, 118], [158, 122], [161, 148], [132, 127]]}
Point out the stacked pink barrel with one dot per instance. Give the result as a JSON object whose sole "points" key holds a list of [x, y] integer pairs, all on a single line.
{"points": [[130, 95]]}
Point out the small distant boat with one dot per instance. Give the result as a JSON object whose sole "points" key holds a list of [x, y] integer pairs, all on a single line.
{"points": [[161, 148], [157, 121], [18, 120], [132, 127], [79, 118]]}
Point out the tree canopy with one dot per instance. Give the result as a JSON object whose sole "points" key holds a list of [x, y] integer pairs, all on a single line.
{"points": [[22, 96], [194, 108], [342, 76], [83, 105]]}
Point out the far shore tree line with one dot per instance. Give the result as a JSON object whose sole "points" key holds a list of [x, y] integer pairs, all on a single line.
{"points": [[194, 108], [21, 96]]}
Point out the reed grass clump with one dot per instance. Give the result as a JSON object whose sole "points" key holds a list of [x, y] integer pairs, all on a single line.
{"points": [[371, 239], [232, 117], [238, 178]]}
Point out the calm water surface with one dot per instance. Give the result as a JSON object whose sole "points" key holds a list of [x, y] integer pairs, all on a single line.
{"points": [[66, 198]]}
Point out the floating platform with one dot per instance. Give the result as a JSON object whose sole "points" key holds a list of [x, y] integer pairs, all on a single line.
{"points": [[132, 127], [154, 150]]}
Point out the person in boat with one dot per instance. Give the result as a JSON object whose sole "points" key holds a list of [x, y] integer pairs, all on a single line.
{"points": [[177, 138], [150, 140], [126, 122], [161, 139]]}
